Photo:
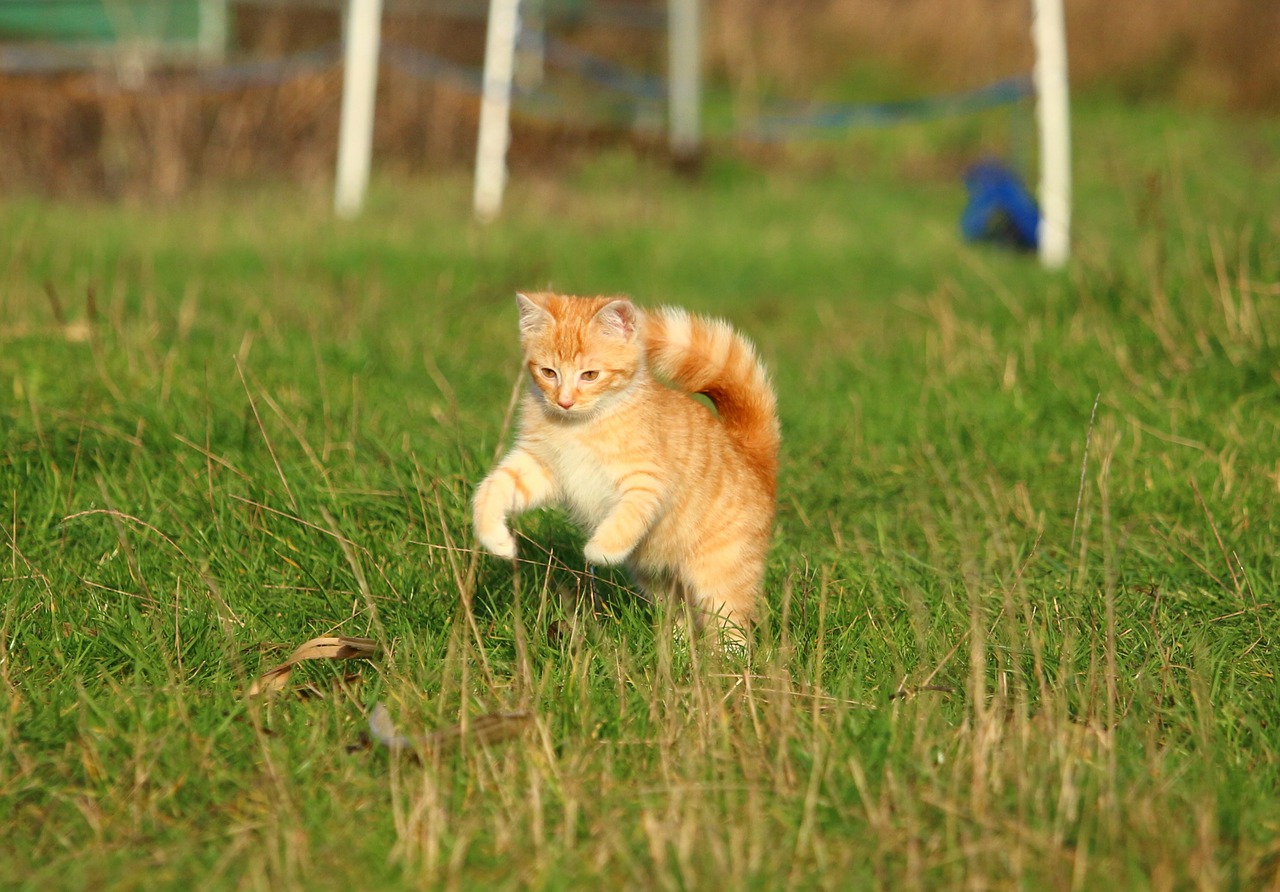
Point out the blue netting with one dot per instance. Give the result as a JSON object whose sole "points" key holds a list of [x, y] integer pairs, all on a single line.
{"points": [[632, 92], [848, 116]]}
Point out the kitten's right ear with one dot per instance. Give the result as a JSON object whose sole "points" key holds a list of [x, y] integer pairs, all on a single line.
{"points": [[532, 313], [618, 318]]}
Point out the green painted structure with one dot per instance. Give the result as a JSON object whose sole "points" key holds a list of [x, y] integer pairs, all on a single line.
{"points": [[194, 23]]}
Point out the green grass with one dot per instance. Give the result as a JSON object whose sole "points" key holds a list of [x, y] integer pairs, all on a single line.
{"points": [[1011, 641]]}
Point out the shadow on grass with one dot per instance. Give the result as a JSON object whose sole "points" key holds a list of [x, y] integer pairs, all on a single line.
{"points": [[552, 579]]}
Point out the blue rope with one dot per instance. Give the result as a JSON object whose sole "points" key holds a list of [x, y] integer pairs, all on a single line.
{"points": [[227, 76], [605, 73], [543, 104], [425, 66], [270, 72], [883, 114]]}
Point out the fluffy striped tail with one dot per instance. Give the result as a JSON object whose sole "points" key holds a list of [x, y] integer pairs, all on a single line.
{"points": [[700, 355]]}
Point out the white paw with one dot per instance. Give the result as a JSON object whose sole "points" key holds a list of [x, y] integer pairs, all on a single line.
{"points": [[499, 542], [602, 556]]}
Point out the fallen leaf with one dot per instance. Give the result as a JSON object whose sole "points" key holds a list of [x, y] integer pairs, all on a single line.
{"points": [[339, 647]]}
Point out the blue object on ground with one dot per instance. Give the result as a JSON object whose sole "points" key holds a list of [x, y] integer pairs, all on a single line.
{"points": [[1000, 208]]}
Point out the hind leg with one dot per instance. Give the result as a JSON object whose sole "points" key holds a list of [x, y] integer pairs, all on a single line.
{"points": [[723, 588], [661, 586], [667, 591]]}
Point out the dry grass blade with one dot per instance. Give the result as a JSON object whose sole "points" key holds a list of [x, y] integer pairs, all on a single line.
{"points": [[339, 647], [76, 331], [484, 730]]}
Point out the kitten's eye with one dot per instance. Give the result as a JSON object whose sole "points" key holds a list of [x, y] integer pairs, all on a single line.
{"points": [[547, 373], [590, 376]]}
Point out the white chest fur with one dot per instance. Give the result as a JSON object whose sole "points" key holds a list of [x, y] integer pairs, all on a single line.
{"points": [[586, 486]]}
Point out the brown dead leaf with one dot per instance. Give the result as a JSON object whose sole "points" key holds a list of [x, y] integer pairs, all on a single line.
{"points": [[338, 647]]}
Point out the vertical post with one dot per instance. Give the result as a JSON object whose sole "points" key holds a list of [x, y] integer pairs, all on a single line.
{"points": [[211, 34], [1053, 117], [684, 77], [359, 88], [495, 109], [531, 45]]}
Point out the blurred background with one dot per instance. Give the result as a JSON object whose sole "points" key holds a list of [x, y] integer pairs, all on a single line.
{"points": [[155, 98]]}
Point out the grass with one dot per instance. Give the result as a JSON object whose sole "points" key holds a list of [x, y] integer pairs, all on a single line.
{"points": [[1022, 621]]}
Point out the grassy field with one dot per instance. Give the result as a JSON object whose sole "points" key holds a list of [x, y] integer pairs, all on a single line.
{"points": [[1022, 627]]}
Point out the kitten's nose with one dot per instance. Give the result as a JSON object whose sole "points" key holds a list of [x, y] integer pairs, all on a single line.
{"points": [[565, 401]]}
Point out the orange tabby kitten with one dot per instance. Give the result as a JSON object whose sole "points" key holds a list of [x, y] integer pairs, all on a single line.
{"points": [[681, 495]]}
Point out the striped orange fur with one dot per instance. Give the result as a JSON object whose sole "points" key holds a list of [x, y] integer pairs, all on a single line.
{"points": [[682, 495]]}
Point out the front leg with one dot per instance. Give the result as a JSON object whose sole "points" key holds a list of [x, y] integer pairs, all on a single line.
{"points": [[520, 482], [639, 503]]}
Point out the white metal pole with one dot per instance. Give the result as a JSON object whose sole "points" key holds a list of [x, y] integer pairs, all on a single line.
{"points": [[1054, 117], [684, 76], [359, 88], [211, 33], [495, 108]]}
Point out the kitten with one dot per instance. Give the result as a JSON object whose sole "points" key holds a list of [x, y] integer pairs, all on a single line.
{"points": [[682, 495]]}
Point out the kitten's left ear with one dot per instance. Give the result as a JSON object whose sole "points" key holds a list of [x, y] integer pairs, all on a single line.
{"points": [[532, 313], [619, 318]]}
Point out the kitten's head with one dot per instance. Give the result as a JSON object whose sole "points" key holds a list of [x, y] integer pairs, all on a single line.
{"points": [[582, 353]]}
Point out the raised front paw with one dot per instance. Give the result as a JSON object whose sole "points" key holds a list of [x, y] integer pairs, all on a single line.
{"points": [[498, 541], [600, 553]]}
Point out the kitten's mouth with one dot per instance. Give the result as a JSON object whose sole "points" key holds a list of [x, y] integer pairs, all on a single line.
{"points": [[576, 412]]}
